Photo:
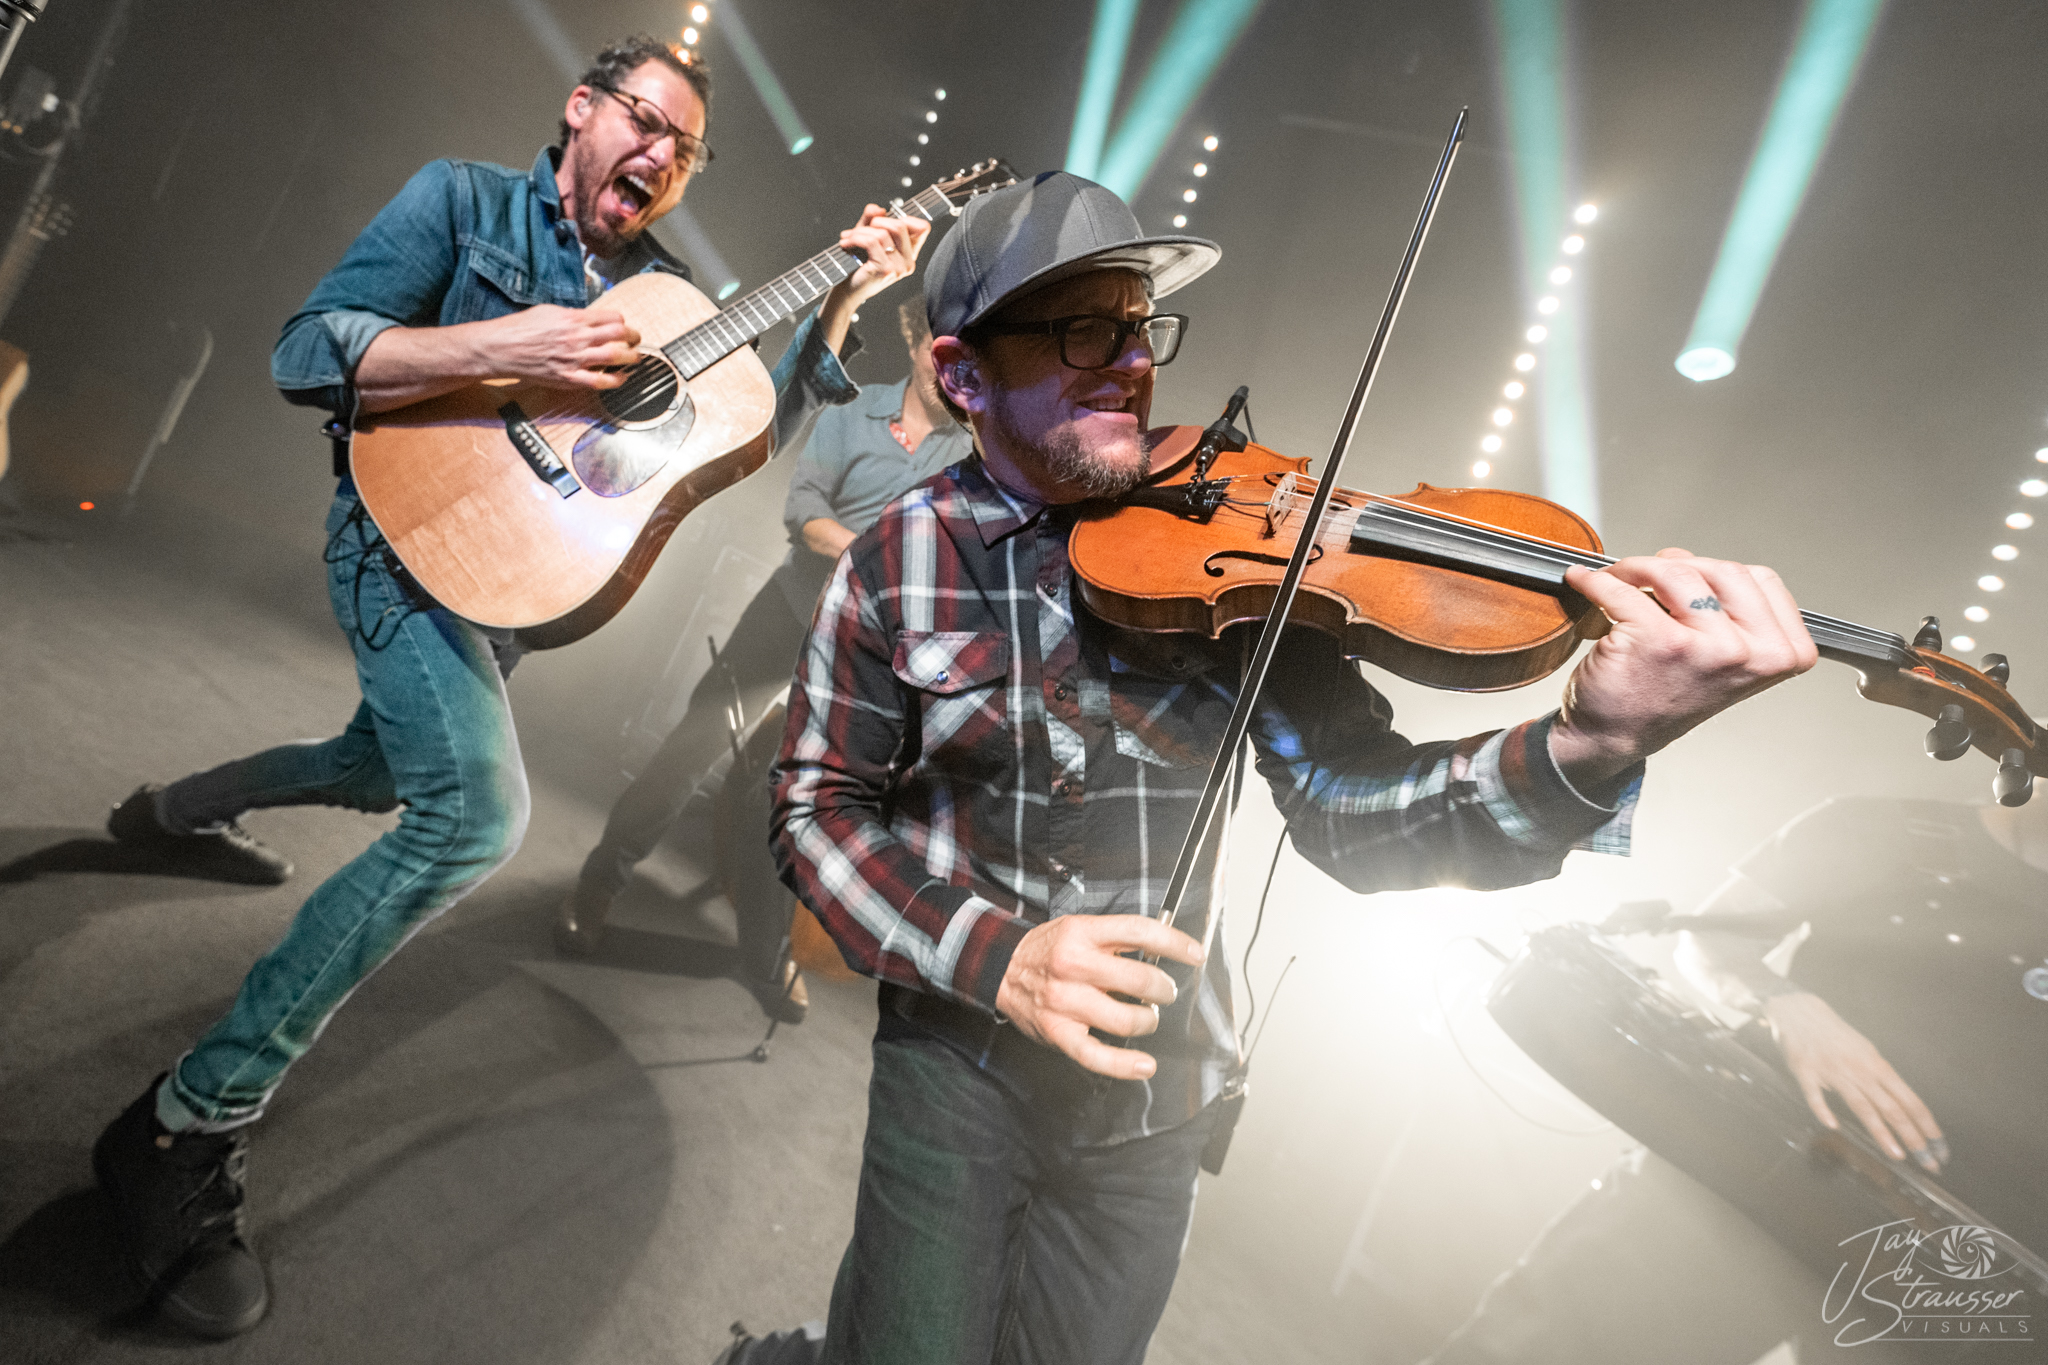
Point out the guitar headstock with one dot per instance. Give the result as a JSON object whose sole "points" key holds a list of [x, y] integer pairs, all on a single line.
{"points": [[1970, 708], [980, 178]]}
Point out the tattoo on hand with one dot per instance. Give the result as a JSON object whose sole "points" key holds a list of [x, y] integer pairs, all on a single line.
{"points": [[1705, 604]]}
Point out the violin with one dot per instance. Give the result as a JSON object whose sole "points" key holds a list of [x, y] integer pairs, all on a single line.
{"points": [[1456, 588]]}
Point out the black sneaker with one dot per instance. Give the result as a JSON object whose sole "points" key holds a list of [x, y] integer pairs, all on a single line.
{"points": [[228, 854], [178, 1204]]}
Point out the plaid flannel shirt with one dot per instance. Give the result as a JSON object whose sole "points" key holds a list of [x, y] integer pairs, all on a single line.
{"points": [[967, 755]]}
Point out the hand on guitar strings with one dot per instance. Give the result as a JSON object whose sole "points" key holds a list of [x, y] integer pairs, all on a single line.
{"points": [[889, 247], [567, 348], [1059, 982], [1690, 637], [1826, 1054]]}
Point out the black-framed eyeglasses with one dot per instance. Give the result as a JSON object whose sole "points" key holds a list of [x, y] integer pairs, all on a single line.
{"points": [[1092, 343], [648, 120]]}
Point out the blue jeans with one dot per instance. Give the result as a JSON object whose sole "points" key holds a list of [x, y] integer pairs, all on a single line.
{"points": [[983, 1236], [433, 734]]}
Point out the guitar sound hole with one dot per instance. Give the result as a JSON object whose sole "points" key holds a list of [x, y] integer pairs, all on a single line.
{"points": [[647, 395]]}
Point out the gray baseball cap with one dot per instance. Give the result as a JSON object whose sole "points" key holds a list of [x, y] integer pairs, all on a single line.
{"points": [[1057, 225]]}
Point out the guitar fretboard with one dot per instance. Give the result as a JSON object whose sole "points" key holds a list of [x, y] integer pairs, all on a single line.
{"points": [[752, 314]]}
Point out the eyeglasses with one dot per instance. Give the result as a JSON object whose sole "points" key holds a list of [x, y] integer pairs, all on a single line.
{"points": [[1092, 343], [648, 120]]}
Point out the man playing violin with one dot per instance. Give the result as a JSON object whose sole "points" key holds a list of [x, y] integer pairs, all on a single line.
{"points": [[473, 272], [982, 789]]}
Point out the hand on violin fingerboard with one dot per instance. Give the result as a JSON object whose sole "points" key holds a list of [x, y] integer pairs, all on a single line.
{"points": [[1715, 633]]}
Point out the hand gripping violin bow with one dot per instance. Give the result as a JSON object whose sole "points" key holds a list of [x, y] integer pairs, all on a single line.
{"points": [[1453, 588]]}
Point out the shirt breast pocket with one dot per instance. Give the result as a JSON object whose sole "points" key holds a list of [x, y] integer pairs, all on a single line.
{"points": [[490, 284], [1163, 708], [959, 678]]}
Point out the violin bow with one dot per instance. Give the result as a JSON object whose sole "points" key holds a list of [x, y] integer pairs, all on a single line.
{"points": [[1297, 563]]}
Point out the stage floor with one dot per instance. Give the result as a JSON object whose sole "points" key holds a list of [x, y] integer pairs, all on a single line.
{"points": [[492, 1155]]}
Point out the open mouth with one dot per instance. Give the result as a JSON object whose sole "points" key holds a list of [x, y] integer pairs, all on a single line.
{"points": [[632, 193], [1112, 406]]}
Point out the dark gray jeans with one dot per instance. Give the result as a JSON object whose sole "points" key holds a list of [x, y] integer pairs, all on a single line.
{"points": [[761, 653], [983, 1236]]}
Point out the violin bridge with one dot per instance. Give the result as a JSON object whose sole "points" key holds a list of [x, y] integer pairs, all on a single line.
{"points": [[1277, 507]]}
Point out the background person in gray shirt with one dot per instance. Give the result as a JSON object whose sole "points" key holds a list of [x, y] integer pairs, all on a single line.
{"points": [[859, 459]]}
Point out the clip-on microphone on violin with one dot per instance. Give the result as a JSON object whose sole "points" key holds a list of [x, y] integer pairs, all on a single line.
{"points": [[1220, 435]]}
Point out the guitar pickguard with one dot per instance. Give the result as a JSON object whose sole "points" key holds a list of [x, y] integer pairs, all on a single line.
{"points": [[612, 461]]}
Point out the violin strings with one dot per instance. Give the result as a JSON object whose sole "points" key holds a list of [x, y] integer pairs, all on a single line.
{"points": [[1842, 634]]}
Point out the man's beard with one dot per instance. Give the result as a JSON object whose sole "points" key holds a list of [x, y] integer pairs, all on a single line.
{"points": [[1096, 474]]}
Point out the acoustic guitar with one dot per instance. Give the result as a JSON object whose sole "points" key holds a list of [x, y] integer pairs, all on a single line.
{"points": [[541, 509]]}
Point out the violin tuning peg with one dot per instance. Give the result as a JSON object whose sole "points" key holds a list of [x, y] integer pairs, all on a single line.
{"points": [[1950, 738], [2014, 784], [1997, 668], [1929, 634]]}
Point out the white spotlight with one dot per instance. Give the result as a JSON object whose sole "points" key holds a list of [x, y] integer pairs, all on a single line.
{"points": [[1514, 389], [939, 94], [1490, 443], [923, 138], [1561, 275], [1962, 643], [1209, 143], [699, 13], [1525, 362], [1201, 168], [1503, 416], [2041, 455], [917, 161], [1976, 614], [906, 182], [1547, 304], [2034, 488], [1187, 196], [2005, 552], [1537, 333], [689, 37], [931, 116], [1574, 244], [1180, 220], [1585, 213], [2019, 521], [1991, 582], [1480, 469]]}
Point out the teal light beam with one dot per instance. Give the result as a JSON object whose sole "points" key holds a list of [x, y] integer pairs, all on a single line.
{"points": [[1532, 60], [547, 30], [1196, 42], [1107, 44], [1833, 36], [755, 63]]}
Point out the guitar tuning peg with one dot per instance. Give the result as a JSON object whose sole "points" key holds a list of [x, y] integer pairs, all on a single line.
{"points": [[1950, 738], [1997, 668], [2014, 784], [1929, 634]]}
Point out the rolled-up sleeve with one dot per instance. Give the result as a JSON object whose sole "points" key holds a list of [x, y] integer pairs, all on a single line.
{"points": [[808, 379], [394, 274], [1378, 812]]}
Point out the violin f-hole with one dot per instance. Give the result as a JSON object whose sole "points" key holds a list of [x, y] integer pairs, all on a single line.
{"points": [[1211, 567]]}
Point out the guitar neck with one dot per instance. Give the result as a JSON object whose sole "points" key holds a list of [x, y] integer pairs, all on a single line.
{"points": [[781, 298]]}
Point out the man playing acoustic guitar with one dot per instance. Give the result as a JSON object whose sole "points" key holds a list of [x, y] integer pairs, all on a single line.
{"points": [[473, 272]]}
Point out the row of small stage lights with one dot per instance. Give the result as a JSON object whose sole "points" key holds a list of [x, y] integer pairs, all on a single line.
{"points": [[1188, 194], [2004, 552], [1560, 275], [692, 34], [924, 137]]}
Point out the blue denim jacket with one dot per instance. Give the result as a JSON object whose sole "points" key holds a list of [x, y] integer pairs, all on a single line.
{"points": [[467, 240]]}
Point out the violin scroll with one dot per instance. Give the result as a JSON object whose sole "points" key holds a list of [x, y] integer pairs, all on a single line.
{"points": [[1970, 708]]}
